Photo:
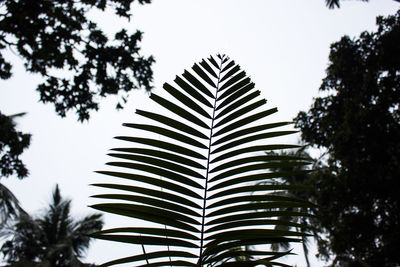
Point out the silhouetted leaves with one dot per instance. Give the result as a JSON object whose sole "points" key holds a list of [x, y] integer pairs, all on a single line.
{"points": [[12, 144], [358, 123], [197, 186], [52, 239], [54, 35]]}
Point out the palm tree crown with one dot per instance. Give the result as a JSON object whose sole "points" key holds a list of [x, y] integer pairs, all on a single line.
{"points": [[53, 239]]}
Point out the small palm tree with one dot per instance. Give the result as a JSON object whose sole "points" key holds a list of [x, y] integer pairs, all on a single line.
{"points": [[53, 239], [294, 175]]}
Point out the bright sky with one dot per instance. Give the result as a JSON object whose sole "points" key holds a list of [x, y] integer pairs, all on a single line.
{"points": [[282, 45]]}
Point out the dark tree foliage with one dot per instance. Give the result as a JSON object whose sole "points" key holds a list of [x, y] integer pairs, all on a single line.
{"points": [[52, 239], [358, 122], [50, 36], [12, 144], [57, 35]]}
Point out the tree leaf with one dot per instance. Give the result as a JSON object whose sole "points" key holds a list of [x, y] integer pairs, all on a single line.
{"points": [[211, 194]]}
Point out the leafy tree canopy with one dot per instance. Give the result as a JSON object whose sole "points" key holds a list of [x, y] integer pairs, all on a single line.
{"points": [[12, 144], [358, 122], [50, 36], [57, 35]]}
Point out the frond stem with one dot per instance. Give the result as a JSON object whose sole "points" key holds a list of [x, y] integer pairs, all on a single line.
{"points": [[208, 167]]}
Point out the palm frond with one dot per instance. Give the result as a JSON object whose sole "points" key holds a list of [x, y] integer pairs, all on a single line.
{"points": [[336, 3], [332, 3], [10, 207], [198, 180]]}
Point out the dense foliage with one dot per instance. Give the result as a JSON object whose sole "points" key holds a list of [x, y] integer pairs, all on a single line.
{"points": [[80, 64], [53, 239], [194, 174], [12, 144], [54, 35], [358, 124]]}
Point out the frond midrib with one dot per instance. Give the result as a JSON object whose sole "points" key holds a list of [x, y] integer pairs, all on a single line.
{"points": [[213, 118]]}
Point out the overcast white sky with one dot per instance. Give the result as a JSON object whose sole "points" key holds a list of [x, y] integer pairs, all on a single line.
{"points": [[282, 45]]}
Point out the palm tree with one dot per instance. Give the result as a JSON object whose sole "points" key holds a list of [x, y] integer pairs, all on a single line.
{"points": [[192, 173], [293, 175], [53, 239], [299, 175]]}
